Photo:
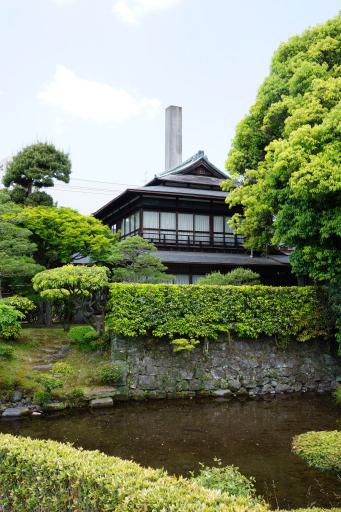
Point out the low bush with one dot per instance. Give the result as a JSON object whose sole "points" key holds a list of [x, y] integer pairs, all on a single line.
{"points": [[187, 311], [109, 374], [62, 368], [82, 333], [226, 479], [6, 351], [49, 383], [42, 397], [237, 277], [38, 475], [338, 395], [75, 397], [22, 304], [321, 450], [10, 327]]}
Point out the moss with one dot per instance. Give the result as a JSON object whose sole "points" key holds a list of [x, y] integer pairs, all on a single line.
{"points": [[321, 450]]}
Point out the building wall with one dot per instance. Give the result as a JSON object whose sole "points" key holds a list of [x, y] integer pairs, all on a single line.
{"points": [[224, 368]]}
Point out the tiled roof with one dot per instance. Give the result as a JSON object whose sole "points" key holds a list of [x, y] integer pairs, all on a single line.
{"points": [[216, 258], [200, 155], [184, 191]]}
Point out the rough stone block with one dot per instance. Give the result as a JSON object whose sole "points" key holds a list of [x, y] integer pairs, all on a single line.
{"points": [[101, 403], [15, 412]]}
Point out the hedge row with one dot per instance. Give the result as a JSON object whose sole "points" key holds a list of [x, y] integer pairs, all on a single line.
{"points": [[46, 475], [321, 450], [207, 311]]}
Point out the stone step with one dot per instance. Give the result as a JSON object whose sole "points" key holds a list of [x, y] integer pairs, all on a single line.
{"points": [[42, 367]]}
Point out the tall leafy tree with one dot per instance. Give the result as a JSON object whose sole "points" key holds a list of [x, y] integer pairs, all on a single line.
{"points": [[131, 261], [34, 167], [63, 235], [17, 265], [285, 157]]}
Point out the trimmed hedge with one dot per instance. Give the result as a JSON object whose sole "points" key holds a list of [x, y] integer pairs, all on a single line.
{"points": [[40, 475], [206, 311], [321, 450]]}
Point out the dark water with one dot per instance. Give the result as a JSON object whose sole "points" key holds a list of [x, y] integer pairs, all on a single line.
{"points": [[177, 435]]}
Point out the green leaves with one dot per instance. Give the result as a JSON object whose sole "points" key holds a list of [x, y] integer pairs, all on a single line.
{"points": [[199, 312], [9, 322], [290, 141], [321, 450]]}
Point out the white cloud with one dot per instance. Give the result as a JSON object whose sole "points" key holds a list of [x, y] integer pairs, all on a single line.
{"points": [[94, 100], [132, 11]]}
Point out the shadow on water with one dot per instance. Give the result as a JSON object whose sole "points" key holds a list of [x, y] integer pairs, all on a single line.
{"points": [[254, 435]]}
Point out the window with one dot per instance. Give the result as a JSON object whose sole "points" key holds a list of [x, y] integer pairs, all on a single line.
{"points": [[185, 228], [181, 279], [223, 233], [202, 229], [168, 227], [151, 220]]}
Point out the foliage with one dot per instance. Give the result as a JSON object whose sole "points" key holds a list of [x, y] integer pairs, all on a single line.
{"points": [[81, 333], [338, 395], [22, 304], [46, 475], [34, 167], [237, 276], [63, 235], [109, 373], [286, 156], [17, 265], [75, 398], [10, 327], [78, 288], [49, 383], [42, 397], [62, 368], [205, 312], [6, 351], [132, 262], [321, 450], [334, 297], [226, 479], [181, 344]]}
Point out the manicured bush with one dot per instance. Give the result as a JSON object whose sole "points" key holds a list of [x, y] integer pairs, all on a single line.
{"points": [[237, 277], [82, 333], [322, 450], [10, 327], [186, 311], [109, 374], [226, 479], [38, 475], [6, 351], [22, 304], [313, 509]]}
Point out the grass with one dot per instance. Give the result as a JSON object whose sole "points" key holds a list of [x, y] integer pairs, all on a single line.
{"points": [[28, 351]]}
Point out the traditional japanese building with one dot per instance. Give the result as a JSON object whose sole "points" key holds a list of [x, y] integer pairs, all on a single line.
{"points": [[183, 212]]}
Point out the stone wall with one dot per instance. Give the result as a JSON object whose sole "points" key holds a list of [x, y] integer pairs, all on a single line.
{"points": [[223, 368]]}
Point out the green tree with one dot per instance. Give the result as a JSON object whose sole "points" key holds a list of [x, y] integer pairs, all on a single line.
{"points": [[78, 289], [17, 265], [238, 276], [34, 167], [285, 157], [131, 261], [63, 235]]}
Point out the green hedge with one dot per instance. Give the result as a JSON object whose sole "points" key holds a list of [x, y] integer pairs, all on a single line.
{"points": [[206, 311], [46, 475], [321, 450]]}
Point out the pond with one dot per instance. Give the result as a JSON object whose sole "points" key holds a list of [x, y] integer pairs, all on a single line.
{"points": [[254, 435]]}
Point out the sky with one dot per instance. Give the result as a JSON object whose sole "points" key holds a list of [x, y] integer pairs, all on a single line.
{"points": [[95, 76]]}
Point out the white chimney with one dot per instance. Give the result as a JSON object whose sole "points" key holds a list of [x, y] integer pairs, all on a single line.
{"points": [[173, 137]]}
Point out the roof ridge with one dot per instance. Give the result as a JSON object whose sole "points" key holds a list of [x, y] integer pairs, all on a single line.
{"points": [[197, 156]]}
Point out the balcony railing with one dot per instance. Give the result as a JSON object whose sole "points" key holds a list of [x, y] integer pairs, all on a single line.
{"points": [[185, 238]]}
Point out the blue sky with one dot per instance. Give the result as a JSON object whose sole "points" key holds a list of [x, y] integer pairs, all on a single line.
{"points": [[94, 77]]}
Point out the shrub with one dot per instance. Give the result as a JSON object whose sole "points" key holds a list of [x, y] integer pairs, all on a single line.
{"points": [[62, 368], [321, 450], [22, 304], [42, 397], [237, 276], [9, 322], [187, 311], [6, 351], [49, 383], [82, 333], [226, 479], [75, 398], [40, 475], [109, 373], [181, 344]]}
